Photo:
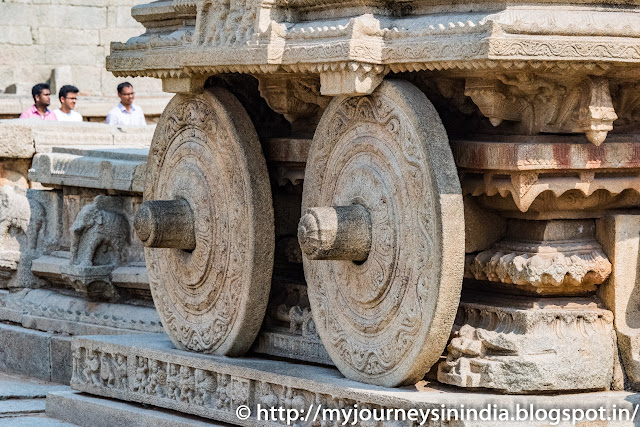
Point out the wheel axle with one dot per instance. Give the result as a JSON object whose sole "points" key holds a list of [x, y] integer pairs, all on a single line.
{"points": [[166, 224], [337, 233]]}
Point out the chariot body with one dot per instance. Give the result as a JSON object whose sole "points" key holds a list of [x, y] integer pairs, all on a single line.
{"points": [[312, 175]]}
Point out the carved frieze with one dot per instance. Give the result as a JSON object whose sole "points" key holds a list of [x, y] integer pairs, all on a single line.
{"points": [[101, 369], [223, 22], [221, 385], [543, 105], [353, 44]]}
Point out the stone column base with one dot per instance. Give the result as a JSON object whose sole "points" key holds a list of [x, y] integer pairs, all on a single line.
{"points": [[530, 345]]}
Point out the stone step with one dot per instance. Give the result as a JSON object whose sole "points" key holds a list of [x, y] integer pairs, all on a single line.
{"points": [[22, 402], [90, 411]]}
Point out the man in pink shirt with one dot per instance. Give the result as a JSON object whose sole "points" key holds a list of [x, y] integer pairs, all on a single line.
{"points": [[42, 97]]}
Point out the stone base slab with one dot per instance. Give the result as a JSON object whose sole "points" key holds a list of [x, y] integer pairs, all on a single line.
{"points": [[41, 355], [147, 369], [531, 345], [89, 411]]}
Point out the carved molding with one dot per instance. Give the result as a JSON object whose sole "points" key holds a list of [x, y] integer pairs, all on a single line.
{"points": [[210, 387], [559, 257], [69, 311], [526, 38], [567, 269], [542, 105], [576, 175]]}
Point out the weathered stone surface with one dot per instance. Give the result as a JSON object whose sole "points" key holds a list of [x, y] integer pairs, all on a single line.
{"points": [[23, 406], [61, 360], [25, 352], [482, 227], [90, 411], [389, 153], [23, 138], [16, 140], [620, 238], [16, 34], [38, 26], [214, 387], [519, 345], [533, 82], [34, 420], [92, 167], [17, 387], [335, 233], [288, 329], [559, 257], [100, 236], [214, 298], [166, 224]]}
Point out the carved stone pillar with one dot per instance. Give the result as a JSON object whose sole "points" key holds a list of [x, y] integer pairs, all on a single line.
{"points": [[530, 320]]}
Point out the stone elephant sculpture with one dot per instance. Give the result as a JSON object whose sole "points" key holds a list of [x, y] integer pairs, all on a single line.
{"points": [[15, 211], [99, 237]]}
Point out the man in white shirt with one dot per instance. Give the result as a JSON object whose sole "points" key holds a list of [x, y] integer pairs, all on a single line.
{"points": [[126, 113], [68, 96]]}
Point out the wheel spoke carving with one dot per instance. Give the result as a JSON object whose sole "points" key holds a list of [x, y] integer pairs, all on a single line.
{"points": [[387, 319], [205, 151]]}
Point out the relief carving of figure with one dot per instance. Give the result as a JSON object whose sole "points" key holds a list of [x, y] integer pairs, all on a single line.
{"points": [[187, 385], [107, 371], [15, 211], [205, 385], [222, 392], [157, 378], [99, 236], [142, 378], [121, 371], [92, 368], [173, 378]]}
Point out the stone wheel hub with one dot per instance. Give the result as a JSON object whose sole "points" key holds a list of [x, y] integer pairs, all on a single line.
{"points": [[383, 298]]}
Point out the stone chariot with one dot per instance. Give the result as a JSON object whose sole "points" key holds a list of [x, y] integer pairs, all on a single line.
{"points": [[340, 166]]}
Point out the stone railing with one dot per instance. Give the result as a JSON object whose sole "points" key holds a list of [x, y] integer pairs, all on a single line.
{"points": [[68, 261]]}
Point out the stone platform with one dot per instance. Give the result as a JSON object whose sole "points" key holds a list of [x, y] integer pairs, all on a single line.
{"points": [[147, 369]]}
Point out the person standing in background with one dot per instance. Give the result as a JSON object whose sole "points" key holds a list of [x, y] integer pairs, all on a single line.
{"points": [[68, 96], [42, 98], [126, 112]]}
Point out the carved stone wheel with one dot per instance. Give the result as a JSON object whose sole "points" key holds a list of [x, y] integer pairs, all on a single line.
{"points": [[385, 318], [206, 152]]}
